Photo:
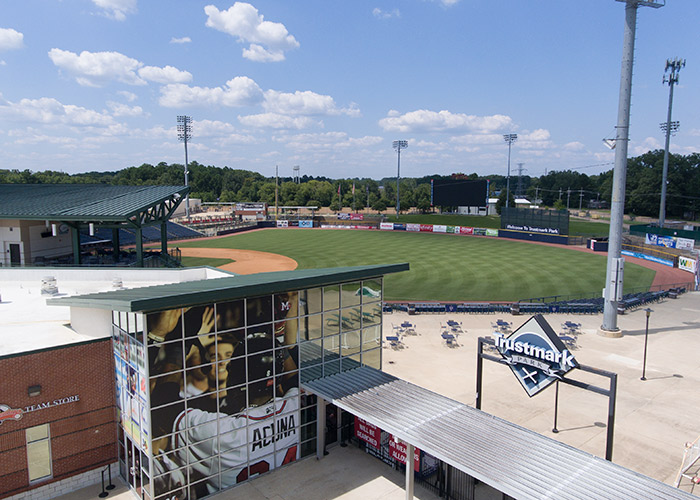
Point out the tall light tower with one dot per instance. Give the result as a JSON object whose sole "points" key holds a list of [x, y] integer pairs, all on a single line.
{"points": [[670, 127], [510, 139], [613, 275], [398, 146], [184, 133], [296, 168]]}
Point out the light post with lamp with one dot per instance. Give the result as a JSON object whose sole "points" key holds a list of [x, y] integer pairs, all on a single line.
{"points": [[646, 338]]}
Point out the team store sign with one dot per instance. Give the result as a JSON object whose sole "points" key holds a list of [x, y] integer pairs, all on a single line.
{"points": [[535, 354]]}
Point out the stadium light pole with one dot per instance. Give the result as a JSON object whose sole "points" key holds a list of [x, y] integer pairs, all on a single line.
{"points": [[669, 127], [510, 139], [613, 274], [184, 133], [398, 146]]}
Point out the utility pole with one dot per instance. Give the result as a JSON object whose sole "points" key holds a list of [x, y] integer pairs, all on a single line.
{"points": [[669, 127], [580, 200], [277, 182], [398, 146], [519, 192], [184, 133], [510, 139], [559, 194], [613, 275], [568, 197]]}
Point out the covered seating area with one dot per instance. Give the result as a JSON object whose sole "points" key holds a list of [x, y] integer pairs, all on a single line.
{"points": [[513, 460], [51, 217]]}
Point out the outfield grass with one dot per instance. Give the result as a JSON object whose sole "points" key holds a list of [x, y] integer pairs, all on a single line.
{"points": [[443, 267], [577, 227], [204, 261]]}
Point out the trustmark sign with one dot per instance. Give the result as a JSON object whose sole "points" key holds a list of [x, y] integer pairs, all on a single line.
{"points": [[535, 354]]}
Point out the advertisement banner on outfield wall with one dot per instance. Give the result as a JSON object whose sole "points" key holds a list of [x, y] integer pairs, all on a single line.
{"points": [[412, 227], [451, 229], [687, 264], [492, 232], [399, 227], [343, 216], [426, 228], [661, 241], [466, 230], [357, 217], [282, 223], [439, 229], [386, 226], [685, 243], [306, 223], [480, 231], [370, 434]]}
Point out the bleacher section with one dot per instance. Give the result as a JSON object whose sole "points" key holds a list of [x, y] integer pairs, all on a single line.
{"points": [[629, 302], [127, 237]]}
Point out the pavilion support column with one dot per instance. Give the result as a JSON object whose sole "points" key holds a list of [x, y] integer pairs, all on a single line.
{"points": [[115, 245], [409, 471], [139, 247], [164, 238], [75, 238], [320, 427]]}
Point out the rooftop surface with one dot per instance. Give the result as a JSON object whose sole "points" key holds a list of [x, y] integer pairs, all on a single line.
{"points": [[27, 323], [68, 202], [205, 292]]}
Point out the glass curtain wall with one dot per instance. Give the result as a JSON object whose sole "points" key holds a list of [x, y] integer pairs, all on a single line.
{"points": [[209, 395]]}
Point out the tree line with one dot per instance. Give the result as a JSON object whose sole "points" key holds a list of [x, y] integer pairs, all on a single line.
{"points": [[560, 189]]}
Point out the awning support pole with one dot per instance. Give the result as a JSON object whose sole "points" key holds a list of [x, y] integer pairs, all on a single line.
{"points": [[320, 427], [409, 471]]}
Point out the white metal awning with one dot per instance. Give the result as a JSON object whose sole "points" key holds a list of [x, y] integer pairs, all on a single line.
{"points": [[516, 461]]}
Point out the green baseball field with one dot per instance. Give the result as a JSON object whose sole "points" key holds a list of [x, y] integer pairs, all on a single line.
{"points": [[444, 267]]}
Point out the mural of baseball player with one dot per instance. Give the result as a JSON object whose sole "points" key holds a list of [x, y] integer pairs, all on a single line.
{"points": [[246, 421]]}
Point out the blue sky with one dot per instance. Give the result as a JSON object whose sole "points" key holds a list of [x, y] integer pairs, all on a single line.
{"points": [[328, 85]]}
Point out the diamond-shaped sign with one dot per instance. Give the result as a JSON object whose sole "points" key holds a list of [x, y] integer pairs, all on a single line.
{"points": [[536, 355]]}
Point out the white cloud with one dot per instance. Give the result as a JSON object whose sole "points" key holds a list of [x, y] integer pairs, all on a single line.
{"points": [[276, 121], [95, 69], [10, 39], [116, 9], [304, 103], [380, 14], [184, 39], [268, 40], [574, 146], [327, 141], [128, 96], [239, 91], [119, 109], [168, 74], [423, 120], [447, 3], [47, 110], [648, 144], [258, 53]]}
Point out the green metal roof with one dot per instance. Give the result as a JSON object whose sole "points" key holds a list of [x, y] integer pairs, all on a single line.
{"points": [[80, 202], [192, 293]]}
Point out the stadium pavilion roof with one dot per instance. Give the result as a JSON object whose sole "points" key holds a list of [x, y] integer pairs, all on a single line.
{"points": [[83, 202], [77, 205], [193, 293]]}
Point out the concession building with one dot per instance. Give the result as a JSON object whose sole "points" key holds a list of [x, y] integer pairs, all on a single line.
{"points": [[190, 382]]}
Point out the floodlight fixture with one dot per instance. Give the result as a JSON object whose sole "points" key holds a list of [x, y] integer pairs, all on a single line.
{"points": [[184, 133], [510, 139], [673, 67], [645, 3], [398, 146]]}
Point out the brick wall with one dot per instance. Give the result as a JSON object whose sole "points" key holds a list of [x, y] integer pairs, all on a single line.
{"points": [[83, 432]]}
